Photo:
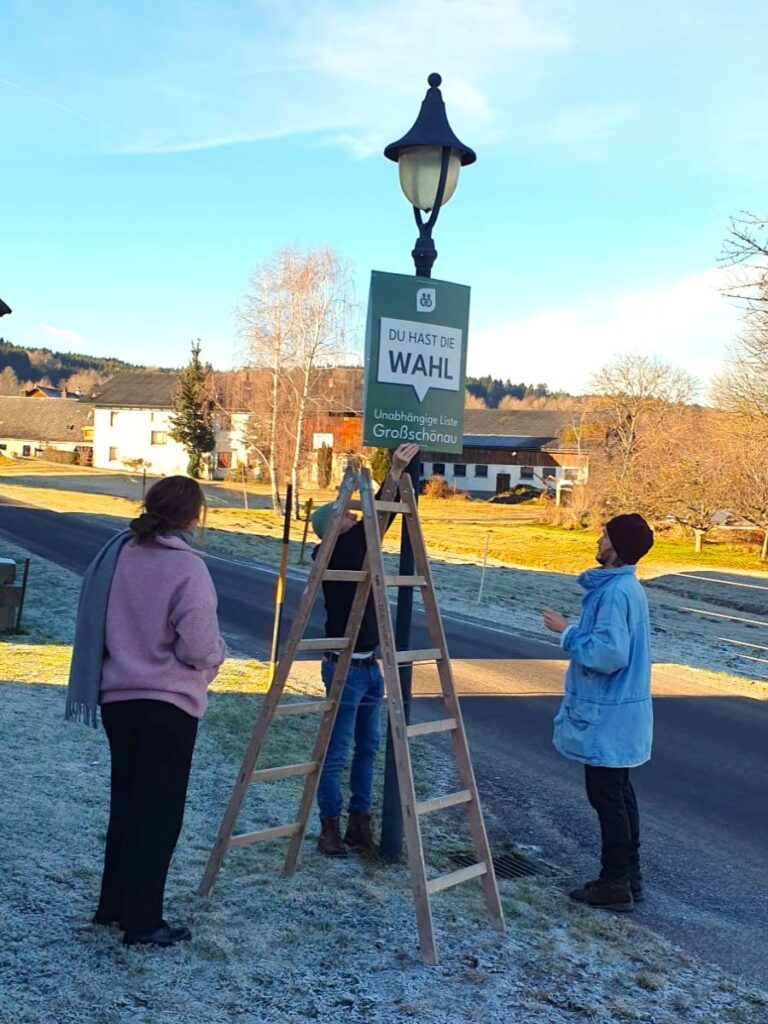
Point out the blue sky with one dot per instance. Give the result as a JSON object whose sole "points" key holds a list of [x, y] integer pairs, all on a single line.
{"points": [[154, 153]]}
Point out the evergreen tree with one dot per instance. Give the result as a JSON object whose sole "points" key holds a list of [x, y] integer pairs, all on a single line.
{"points": [[324, 465], [192, 421]]}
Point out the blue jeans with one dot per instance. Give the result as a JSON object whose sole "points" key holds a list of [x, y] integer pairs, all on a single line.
{"points": [[358, 718]]}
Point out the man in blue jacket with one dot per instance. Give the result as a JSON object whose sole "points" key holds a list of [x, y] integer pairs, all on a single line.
{"points": [[606, 719]]}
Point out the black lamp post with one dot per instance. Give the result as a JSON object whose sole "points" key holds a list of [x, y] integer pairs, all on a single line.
{"points": [[4, 308], [429, 158]]}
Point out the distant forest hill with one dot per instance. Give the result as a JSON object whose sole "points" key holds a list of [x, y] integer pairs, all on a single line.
{"points": [[41, 365], [493, 392]]}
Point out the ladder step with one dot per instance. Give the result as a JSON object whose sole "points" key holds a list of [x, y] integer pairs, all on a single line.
{"points": [[393, 506], [303, 707], [324, 643], [284, 772], [429, 654], [425, 728], [456, 877], [405, 581], [246, 838], [345, 575], [441, 802]]}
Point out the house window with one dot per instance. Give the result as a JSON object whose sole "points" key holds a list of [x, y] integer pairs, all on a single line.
{"points": [[159, 437], [459, 469], [571, 474], [438, 469], [526, 472], [113, 419], [481, 471], [26, 450], [113, 454], [3, 447]]}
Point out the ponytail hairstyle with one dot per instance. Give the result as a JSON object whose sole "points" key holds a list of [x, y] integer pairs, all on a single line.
{"points": [[170, 504]]}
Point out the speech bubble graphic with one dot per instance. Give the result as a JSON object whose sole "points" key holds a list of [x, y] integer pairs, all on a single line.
{"points": [[419, 355]]}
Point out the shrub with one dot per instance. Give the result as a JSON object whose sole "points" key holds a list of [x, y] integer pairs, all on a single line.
{"points": [[436, 487]]}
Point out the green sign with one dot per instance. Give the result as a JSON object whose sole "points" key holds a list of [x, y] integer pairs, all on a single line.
{"points": [[415, 362]]}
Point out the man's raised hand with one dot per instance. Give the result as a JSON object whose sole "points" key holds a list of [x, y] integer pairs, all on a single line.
{"points": [[401, 457]]}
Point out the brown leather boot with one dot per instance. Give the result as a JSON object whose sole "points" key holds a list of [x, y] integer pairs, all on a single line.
{"points": [[358, 832], [329, 841]]}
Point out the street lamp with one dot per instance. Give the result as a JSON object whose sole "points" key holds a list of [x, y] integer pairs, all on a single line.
{"points": [[429, 158], [4, 308]]}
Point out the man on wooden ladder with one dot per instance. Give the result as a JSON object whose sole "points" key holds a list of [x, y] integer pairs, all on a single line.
{"points": [[359, 715]]}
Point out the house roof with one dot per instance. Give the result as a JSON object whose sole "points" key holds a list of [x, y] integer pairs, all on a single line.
{"points": [[518, 429], [506, 441], [153, 390], [517, 424], [41, 390], [26, 419]]}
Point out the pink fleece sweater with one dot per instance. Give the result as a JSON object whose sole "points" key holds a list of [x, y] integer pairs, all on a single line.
{"points": [[162, 636]]}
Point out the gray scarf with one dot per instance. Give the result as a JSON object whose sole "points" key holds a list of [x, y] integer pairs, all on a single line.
{"points": [[90, 628]]}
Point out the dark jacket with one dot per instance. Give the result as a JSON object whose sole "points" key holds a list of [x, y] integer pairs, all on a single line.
{"points": [[349, 554]]}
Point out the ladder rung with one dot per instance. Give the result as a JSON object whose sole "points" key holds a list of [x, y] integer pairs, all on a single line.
{"points": [[456, 877], [429, 654], [345, 575], [324, 643], [284, 772], [405, 581], [246, 838], [441, 802], [303, 707], [425, 728], [392, 506]]}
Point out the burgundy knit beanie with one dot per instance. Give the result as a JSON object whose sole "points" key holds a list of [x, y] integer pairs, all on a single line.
{"points": [[630, 536]]}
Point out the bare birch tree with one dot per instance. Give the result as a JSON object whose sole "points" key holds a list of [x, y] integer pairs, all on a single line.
{"points": [[323, 308], [295, 322]]}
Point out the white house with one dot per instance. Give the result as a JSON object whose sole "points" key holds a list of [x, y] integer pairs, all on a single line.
{"points": [[29, 427], [132, 424], [503, 448]]}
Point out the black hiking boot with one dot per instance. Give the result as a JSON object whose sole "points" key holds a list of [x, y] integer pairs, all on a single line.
{"points": [[606, 894], [162, 936]]}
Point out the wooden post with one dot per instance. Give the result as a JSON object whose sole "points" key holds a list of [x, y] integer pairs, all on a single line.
{"points": [[485, 563], [244, 471], [24, 579], [280, 583], [308, 509]]}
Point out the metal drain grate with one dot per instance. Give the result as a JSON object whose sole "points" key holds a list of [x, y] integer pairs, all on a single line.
{"points": [[509, 865]]}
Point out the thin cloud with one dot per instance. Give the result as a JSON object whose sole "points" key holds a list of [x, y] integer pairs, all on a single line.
{"points": [[207, 78], [687, 322], [63, 333]]}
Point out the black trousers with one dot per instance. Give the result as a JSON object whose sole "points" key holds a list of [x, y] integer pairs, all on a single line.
{"points": [[610, 792], [151, 743]]}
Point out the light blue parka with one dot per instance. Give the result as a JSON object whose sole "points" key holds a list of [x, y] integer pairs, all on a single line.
{"points": [[606, 717]]}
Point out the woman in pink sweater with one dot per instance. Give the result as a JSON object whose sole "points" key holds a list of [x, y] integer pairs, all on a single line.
{"points": [[161, 650]]}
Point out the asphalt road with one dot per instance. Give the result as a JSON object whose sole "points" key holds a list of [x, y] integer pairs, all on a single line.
{"points": [[703, 798]]}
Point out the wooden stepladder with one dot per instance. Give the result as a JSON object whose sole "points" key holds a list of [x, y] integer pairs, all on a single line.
{"points": [[371, 579]]}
